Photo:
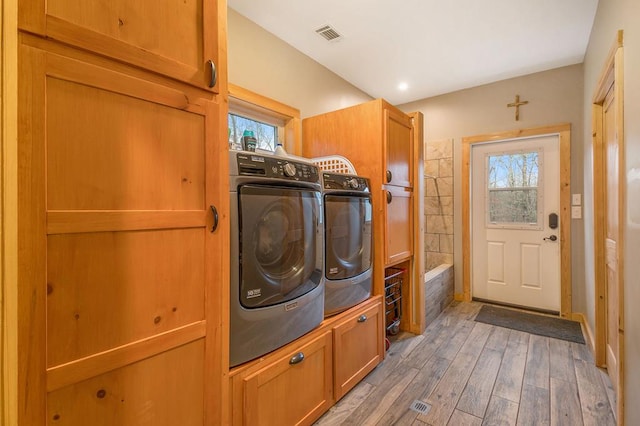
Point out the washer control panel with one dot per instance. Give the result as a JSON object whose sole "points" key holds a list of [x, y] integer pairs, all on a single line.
{"points": [[344, 182], [276, 167]]}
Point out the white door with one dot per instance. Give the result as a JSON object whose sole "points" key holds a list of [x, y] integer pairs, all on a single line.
{"points": [[515, 243]]}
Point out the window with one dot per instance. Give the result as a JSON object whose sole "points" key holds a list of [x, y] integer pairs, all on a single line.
{"points": [[272, 122], [266, 134], [514, 190]]}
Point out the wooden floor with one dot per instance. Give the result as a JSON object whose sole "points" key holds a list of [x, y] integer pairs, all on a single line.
{"points": [[469, 373]]}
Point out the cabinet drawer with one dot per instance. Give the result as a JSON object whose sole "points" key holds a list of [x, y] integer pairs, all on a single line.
{"points": [[287, 392], [358, 347], [398, 224]]}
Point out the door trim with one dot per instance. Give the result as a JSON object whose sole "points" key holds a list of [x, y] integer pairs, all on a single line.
{"points": [[564, 137], [612, 72]]}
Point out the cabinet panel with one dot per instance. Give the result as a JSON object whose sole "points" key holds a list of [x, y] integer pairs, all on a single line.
{"points": [[119, 263], [107, 149], [166, 389], [358, 347], [398, 149], [168, 37], [290, 394], [107, 289], [399, 226]]}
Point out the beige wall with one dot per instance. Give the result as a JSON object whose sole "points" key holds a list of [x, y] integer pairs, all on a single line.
{"points": [[613, 15], [264, 64], [554, 96]]}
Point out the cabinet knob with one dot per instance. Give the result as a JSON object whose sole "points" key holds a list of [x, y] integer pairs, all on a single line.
{"points": [[362, 318], [214, 73], [389, 176], [297, 358], [389, 197], [215, 218]]}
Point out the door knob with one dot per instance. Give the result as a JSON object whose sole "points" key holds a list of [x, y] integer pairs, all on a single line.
{"points": [[550, 238]]}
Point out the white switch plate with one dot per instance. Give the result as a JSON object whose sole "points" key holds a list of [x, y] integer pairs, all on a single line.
{"points": [[576, 212], [576, 199]]}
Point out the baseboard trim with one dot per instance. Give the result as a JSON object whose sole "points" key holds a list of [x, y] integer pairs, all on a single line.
{"points": [[458, 297], [578, 316]]}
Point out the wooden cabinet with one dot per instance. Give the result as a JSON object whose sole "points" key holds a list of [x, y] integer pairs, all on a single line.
{"points": [[122, 263], [398, 245], [176, 39], [398, 164], [292, 386], [358, 346], [279, 389], [378, 139]]}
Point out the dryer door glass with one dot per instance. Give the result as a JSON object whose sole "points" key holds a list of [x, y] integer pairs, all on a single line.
{"points": [[348, 235], [280, 244]]}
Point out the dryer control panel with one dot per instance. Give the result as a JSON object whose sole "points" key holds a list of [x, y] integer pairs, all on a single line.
{"points": [[276, 167], [344, 182]]}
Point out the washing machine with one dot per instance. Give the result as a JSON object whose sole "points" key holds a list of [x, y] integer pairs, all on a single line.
{"points": [[348, 241], [276, 280]]}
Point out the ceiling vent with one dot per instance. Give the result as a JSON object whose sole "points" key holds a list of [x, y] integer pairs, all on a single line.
{"points": [[328, 33]]}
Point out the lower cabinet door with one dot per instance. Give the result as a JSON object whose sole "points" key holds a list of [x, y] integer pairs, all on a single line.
{"points": [[358, 347], [398, 225], [163, 390], [293, 390]]}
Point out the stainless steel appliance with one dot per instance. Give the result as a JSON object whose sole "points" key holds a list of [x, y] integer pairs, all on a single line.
{"points": [[277, 284], [348, 241]]}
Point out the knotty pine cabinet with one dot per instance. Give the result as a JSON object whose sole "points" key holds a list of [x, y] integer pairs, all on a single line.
{"points": [[378, 139], [296, 384], [122, 260], [358, 346], [181, 39]]}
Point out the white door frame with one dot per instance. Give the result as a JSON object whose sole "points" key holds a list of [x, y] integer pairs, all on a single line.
{"points": [[564, 135]]}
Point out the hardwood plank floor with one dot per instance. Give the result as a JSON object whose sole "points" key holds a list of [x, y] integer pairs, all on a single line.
{"points": [[468, 373]]}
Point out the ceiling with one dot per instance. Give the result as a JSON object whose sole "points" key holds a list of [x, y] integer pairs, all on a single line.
{"points": [[433, 47]]}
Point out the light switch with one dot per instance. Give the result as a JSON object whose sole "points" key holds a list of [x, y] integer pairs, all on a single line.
{"points": [[576, 199], [576, 212]]}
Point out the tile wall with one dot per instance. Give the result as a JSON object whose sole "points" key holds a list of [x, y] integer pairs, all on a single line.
{"points": [[438, 203]]}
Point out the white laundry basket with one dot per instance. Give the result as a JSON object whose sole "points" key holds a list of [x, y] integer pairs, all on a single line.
{"points": [[335, 164]]}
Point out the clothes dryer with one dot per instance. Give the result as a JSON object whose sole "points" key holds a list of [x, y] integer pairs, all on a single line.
{"points": [[348, 241], [277, 284]]}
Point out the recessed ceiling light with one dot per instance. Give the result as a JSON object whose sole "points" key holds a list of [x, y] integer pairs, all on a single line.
{"points": [[403, 86]]}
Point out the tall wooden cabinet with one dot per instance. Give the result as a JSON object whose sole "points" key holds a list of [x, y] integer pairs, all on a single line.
{"points": [[123, 213], [379, 140]]}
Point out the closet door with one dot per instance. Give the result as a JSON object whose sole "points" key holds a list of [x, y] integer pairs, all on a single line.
{"points": [[174, 38], [119, 267]]}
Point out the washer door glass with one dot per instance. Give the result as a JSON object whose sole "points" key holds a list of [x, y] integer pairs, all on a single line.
{"points": [[348, 235], [280, 244]]}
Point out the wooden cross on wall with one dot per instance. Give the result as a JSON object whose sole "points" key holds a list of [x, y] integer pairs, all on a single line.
{"points": [[517, 104]]}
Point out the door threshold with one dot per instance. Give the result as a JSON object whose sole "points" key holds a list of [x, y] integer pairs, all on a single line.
{"points": [[520, 307]]}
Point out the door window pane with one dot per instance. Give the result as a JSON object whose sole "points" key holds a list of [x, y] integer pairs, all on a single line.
{"points": [[514, 189]]}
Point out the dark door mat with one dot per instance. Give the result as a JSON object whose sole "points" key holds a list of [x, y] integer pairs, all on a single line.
{"points": [[557, 328]]}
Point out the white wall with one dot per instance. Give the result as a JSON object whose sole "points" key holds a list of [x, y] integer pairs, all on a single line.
{"points": [[554, 97], [261, 62], [613, 15]]}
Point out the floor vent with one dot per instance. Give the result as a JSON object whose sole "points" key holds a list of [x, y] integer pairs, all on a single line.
{"points": [[328, 33], [420, 407]]}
